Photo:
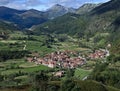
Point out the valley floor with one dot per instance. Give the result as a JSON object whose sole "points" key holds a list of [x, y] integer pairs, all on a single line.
{"points": [[44, 49]]}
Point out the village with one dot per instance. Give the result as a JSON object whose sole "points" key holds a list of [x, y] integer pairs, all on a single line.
{"points": [[67, 59]]}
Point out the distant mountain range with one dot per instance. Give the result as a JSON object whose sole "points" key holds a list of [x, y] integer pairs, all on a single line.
{"points": [[101, 19], [23, 18], [28, 18], [94, 17]]}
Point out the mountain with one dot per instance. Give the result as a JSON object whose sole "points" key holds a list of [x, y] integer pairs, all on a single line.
{"points": [[95, 30], [28, 18], [110, 12], [23, 18], [6, 13], [113, 5], [58, 10], [6, 28], [32, 13], [31, 17], [86, 8], [69, 23], [88, 25]]}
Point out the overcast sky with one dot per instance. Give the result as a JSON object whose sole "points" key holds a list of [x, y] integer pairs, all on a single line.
{"points": [[45, 4]]}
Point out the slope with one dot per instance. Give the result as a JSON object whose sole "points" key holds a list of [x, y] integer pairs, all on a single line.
{"points": [[58, 10], [23, 18], [6, 28], [89, 25]]}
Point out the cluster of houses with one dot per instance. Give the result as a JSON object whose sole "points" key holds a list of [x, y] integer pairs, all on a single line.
{"points": [[101, 53], [65, 60], [59, 59]]}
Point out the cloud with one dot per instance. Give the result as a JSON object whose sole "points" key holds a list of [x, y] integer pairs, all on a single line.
{"points": [[4, 2], [20, 4], [67, 3], [33, 2], [17, 6], [70, 3]]}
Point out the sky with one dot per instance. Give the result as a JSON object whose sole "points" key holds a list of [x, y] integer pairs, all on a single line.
{"points": [[45, 4]]}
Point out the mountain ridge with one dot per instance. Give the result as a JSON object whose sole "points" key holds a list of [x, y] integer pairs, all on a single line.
{"points": [[86, 8], [28, 18], [23, 18], [58, 10], [87, 25]]}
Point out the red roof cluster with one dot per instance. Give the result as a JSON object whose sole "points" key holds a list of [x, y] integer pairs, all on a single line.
{"points": [[98, 54], [59, 59]]}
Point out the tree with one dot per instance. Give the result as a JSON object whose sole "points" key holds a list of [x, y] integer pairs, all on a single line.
{"points": [[70, 73], [1, 78], [39, 81], [67, 85], [70, 85]]}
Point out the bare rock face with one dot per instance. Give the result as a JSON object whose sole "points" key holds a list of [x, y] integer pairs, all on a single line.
{"points": [[59, 10]]}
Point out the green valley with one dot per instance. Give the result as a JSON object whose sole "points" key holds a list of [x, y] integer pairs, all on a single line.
{"points": [[62, 49]]}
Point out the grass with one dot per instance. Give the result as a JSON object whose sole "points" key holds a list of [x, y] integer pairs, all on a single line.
{"points": [[38, 68], [28, 65], [81, 73], [16, 65], [8, 41], [26, 70], [69, 46], [12, 89], [14, 62], [109, 88], [20, 65], [36, 46], [115, 65], [90, 65], [2, 65], [6, 45], [20, 88], [21, 77], [17, 34]]}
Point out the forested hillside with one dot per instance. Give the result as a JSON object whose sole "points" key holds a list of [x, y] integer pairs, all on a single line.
{"points": [[6, 28]]}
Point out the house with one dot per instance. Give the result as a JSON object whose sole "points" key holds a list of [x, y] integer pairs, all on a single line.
{"points": [[101, 53], [59, 59], [59, 74], [29, 59], [51, 64]]}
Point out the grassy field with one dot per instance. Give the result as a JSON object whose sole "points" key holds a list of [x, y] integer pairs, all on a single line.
{"points": [[69, 46], [18, 70], [25, 70], [33, 43], [81, 73], [28, 65], [20, 88]]}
